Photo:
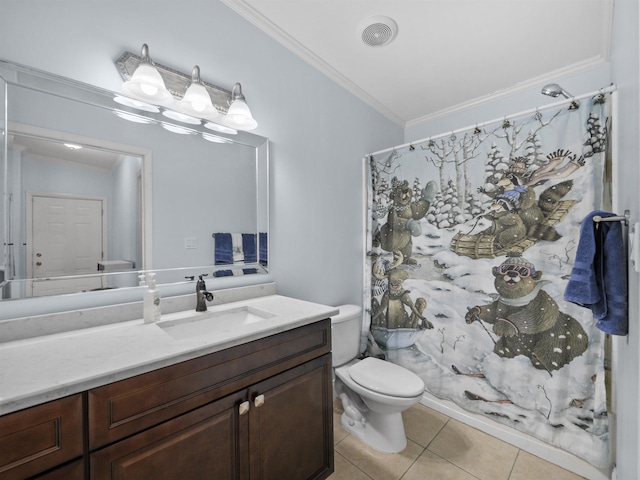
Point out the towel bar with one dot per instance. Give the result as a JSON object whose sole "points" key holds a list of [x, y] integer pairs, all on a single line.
{"points": [[617, 218]]}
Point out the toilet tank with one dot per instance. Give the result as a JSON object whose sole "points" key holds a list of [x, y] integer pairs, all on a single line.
{"points": [[345, 334]]}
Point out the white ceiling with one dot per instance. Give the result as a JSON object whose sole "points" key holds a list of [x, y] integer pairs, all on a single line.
{"points": [[447, 53]]}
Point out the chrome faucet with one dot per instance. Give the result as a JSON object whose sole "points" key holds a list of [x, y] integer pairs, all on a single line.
{"points": [[202, 296]]}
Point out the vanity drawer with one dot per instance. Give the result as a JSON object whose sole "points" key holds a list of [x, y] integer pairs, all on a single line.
{"points": [[129, 406], [39, 438]]}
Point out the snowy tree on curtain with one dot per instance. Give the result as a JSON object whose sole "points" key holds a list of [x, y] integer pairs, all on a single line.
{"points": [[471, 242]]}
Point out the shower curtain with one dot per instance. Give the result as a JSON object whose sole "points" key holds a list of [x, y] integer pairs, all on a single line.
{"points": [[471, 238]]}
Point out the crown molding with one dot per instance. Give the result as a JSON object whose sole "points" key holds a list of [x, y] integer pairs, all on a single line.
{"points": [[531, 83], [253, 16]]}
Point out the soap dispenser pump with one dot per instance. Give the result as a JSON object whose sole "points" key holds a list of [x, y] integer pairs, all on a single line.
{"points": [[151, 306]]}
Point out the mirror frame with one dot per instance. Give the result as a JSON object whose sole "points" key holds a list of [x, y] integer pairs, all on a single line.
{"points": [[43, 82]]}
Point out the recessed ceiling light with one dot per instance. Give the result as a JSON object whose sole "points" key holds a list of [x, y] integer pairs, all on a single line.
{"points": [[73, 146], [378, 31]]}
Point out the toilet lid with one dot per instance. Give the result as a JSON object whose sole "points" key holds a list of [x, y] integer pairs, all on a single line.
{"points": [[386, 378]]}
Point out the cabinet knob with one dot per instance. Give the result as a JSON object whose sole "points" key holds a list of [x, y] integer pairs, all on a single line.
{"points": [[258, 401], [243, 408]]}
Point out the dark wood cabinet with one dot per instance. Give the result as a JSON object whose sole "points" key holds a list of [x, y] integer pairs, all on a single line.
{"points": [[259, 411], [279, 428], [291, 424], [71, 471], [204, 443], [40, 438], [123, 408]]}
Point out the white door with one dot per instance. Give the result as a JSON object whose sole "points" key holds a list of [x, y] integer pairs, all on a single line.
{"points": [[66, 240]]}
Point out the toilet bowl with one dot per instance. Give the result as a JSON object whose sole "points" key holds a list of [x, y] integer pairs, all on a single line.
{"points": [[373, 392]]}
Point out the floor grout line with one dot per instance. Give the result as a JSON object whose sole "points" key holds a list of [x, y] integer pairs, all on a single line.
{"points": [[515, 460], [422, 449], [355, 466], [412, 463]]}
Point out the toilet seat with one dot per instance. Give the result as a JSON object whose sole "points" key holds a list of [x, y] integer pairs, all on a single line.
{"points": [[386, 378]]}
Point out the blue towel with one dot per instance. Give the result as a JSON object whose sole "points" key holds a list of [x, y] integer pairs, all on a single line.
{"points": [[598, 278], [263, 250], [233, 273], [249, 247], [222, 273], [223, 254]]}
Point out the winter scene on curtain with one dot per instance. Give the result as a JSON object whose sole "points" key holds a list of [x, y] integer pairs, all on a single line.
{"points": [[471, 241]]}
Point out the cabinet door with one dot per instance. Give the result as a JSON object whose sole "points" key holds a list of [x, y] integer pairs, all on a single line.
{"points": [[206, 443], [39, 438], [291, 424]]}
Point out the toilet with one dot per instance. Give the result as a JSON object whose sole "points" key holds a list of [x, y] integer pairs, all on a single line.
{"points": [[373, 392]]}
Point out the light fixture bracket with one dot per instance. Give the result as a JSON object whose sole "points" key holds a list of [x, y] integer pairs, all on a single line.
{"points": [[175, 81]]}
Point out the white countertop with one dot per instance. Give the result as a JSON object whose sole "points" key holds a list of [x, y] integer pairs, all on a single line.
{"points": [[39, 369]]}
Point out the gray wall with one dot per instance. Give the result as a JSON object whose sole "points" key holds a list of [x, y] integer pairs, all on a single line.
{"points": [[625, 63], [316, 216], [318, 131]]}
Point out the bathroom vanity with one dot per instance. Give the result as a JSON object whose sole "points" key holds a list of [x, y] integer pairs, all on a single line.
{"points": [[250, 399]]}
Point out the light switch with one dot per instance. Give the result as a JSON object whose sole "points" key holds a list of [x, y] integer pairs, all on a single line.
{"points": [[190, 242]]}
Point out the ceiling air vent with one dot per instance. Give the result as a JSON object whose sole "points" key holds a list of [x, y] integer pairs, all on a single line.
{"points": [[378, 31]]}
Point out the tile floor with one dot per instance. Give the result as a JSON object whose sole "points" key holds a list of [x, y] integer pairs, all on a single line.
{"points": [[438, 448]]}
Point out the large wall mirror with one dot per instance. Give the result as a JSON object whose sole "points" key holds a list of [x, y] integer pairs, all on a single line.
{"points": [[96, 191]]}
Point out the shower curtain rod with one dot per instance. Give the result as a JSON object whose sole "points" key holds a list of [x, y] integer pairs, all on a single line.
{"points": [[559, 103]]}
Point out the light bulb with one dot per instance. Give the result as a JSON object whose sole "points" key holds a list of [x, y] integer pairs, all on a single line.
{"points": [[196, 100], [149, 89], [239, 114], [146, 83], [198, 106]]}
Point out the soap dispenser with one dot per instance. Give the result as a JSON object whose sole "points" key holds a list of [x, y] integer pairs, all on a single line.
{"points": [[151, 300]]}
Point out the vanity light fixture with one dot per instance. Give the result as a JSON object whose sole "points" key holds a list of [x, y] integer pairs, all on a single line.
{"points": [[196, 101], [146, 83], [239, 116], [224, 111]]}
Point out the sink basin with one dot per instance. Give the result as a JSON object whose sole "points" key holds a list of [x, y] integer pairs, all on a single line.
{"points": [[194, 324]]}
